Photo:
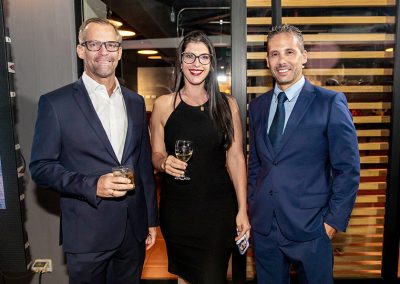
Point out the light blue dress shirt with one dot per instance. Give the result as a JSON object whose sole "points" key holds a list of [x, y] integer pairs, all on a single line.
{"points": [[292, 93]]}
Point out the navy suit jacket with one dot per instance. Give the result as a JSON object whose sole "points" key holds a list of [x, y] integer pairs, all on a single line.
{"points": [[313, 176], [71, 150]]}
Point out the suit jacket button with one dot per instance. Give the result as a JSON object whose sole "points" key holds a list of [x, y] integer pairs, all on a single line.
{"points": [[275, 163], [271, 192]]}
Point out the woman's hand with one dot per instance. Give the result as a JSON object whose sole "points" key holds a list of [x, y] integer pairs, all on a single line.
{"points": [[174, 166], [242, 224]]}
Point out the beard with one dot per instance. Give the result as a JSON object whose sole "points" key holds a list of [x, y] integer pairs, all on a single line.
{"points": [[293, 75]]}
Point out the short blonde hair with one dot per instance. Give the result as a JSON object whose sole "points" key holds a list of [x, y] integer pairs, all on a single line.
{"points": [[82, 29]]}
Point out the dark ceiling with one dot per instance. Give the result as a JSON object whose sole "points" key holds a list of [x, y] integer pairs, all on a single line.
{"points": [[159, 18]]}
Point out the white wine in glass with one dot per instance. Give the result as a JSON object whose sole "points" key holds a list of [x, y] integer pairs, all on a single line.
{"points": [[183, 151]]}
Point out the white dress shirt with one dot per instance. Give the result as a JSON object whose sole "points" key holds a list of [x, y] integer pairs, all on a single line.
{"points": [[111, 111]]}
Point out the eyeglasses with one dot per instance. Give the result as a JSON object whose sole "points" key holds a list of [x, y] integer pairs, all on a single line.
{"points": [[189, 58], [94, 45]]}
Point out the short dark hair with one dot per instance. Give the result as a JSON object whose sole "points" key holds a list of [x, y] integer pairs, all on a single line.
{"points": [[82, 28], [275, 30]]}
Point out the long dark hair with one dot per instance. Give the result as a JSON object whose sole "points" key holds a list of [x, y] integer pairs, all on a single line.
{"points": [[219, 109]]}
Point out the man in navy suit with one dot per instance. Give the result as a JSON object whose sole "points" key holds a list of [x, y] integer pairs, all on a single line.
{"points": [[303, 168], [82, 131]]}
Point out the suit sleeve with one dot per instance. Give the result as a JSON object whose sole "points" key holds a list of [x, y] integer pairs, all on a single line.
{"points": [[254, 162], [147, 174], [345, 163], [45, 166]]}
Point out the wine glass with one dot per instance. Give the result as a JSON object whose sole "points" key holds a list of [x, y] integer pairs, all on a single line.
{"points": [[183, 151]]}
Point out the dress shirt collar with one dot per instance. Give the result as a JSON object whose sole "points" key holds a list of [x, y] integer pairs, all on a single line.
{"points": [[92, 86], [292, 92]]}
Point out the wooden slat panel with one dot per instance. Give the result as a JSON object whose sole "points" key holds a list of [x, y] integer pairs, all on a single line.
{"points": [[330, 72], [343, 89], [337, 38], [324, 3], [358, 252], [368, 211], [331, 54], [345, 20], [370, 105], [345, 238], [360, 89], [364, 230], [374, 160], [366, 146], [366, 221], [372, 185], [349, 54], [258, 89], [362, 248], [370, 198], [365, 274], [358, 257], [373, 172], [374, 146], [352, 267], [371, 119], [373, 133]]}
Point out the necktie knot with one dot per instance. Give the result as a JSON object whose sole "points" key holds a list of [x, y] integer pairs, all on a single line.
{"points": [[282, 98]]}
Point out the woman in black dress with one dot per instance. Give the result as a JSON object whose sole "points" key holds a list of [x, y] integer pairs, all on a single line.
{"points": [[201, 218]]}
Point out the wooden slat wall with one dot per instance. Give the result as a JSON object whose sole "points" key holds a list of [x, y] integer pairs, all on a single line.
{"points": [[361, 62]]}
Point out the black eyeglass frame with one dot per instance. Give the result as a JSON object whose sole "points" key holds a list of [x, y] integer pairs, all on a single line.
{"points": [[196, 57], [105, 43]]}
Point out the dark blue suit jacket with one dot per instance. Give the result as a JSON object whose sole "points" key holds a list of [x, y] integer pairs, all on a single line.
{"points": [[70, 151], [313, 176]]}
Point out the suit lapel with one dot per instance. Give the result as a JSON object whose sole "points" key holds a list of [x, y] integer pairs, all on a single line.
{"points": [[86, 106], [129, 132], [261, 120], [303, 102], [266, 105]]}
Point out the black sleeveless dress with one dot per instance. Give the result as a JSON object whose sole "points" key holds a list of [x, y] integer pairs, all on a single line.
{"points": [[197, 217]]}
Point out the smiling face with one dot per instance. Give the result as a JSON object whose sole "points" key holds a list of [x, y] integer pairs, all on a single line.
{"points": [[100, 65], [285, 59], [195, 73]]}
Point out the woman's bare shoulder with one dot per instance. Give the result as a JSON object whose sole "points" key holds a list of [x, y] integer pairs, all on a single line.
{"points": [[165, 101]]}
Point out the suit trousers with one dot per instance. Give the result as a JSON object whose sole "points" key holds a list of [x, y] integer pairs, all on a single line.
{"points": [[274, 255], [121, 265]]}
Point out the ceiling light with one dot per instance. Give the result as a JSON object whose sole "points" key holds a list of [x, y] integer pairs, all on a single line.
{"points": [[147, 51], [115, 23], [390, 49], [126, 33], [154, 57]]}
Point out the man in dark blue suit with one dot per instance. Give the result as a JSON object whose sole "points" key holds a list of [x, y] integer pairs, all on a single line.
{"points": [[83, 130], [303, 168]]}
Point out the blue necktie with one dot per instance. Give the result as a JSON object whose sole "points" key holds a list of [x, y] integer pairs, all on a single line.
{"points": [[276, 129]]}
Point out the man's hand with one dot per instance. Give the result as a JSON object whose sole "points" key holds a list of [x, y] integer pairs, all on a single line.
{"points": [[151, 237], [109, 186], [330, 231]]}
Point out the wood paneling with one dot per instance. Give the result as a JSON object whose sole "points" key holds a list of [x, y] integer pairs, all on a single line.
{"points": [[323, 20], [328, 72], [373, 133], [344, 89], [331, 54], [372, 186], [374, 146], [349, 40], [336, 38], [319, 3]]}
